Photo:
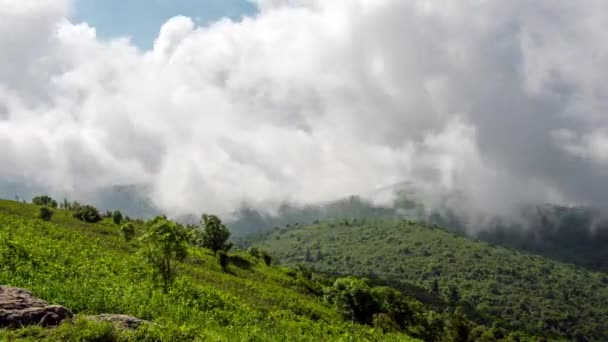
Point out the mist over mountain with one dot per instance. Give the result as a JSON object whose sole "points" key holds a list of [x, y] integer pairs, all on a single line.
{"points": [[310, 101]]}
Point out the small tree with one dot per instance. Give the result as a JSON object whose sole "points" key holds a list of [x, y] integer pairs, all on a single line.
{"points": [[45, 200], [223, 259], [214, 234], [353, 297], [165, 245], [128, 231], [87, 213], [117, 217], [45, 213]]}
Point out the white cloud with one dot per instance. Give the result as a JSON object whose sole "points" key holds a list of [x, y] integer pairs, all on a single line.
{"points": [[313, 100]]}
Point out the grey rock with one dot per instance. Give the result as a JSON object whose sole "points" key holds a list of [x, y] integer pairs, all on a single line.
{"points": [[123, 321], [19, 307]]}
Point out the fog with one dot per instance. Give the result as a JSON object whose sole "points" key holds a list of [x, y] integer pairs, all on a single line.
{"points": [[501, 102]]}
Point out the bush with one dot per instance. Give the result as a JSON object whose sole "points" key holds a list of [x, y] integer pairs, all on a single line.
{"points": [[87, 213], [45, 213], [117, 217], [128, 231]]}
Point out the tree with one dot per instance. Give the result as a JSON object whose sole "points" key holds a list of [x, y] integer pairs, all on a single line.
{"points": [[223, 259], [45, 200], [117, 217], [458, 329], [128, 231], [353, 297], [165, 245], [87, 213], [453, 294], [45, 213], [214, 234], [395, 305]]}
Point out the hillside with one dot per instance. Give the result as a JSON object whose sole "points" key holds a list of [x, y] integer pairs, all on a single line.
{"points": [[494, 285], [91, 269]]}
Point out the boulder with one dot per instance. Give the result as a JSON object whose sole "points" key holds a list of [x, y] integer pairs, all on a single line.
{"points": [[123, 321], [19, 307]]}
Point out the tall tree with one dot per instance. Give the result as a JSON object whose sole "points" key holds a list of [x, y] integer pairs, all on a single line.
{"points": [[214, 235]]}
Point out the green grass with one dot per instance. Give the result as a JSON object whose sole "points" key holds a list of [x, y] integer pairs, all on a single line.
{"points": [[494, 285], [90, 269]]}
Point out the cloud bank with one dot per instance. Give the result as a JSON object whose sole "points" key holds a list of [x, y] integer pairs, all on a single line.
{"points": [[310, 100]]}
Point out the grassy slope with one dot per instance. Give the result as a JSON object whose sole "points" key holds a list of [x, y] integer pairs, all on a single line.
{"points": [[516, 290], [91, 270]]}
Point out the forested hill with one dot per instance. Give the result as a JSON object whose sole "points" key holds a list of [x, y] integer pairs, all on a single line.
{"points": [[569, 234], [493, 285]]}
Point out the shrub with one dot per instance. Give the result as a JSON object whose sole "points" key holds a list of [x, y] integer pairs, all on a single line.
{"points": [[385, 323], [128, 231], [117, 217], [45, 213], [87, 213], [254, 252]]}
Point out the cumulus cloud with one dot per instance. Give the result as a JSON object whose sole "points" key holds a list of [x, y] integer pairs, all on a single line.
{"points": [[310, 100]]}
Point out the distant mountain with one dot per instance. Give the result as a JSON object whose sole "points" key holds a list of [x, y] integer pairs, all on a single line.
{"points": [[132, 200]]}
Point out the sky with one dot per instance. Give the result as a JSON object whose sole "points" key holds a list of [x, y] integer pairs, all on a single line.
{"points": [[501, 102], [141, 19]]}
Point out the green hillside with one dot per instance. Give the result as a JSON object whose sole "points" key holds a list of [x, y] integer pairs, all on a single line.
{"points": [[493, 285], [91, 269]]}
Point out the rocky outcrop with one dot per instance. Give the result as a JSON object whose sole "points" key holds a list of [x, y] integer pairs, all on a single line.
{"points": [[122, 321], [19, 307]]}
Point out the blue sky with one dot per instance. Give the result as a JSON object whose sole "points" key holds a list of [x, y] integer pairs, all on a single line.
{"points": [[142, 19]]}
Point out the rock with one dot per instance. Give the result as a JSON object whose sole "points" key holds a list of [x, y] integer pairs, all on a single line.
{"points": [[123, 321], [19, 307]]}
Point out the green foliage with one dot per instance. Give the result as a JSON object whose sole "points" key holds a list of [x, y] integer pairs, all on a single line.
{"points": [[44, 200], [353, 297], [45, 213], [223, 259], [254, 252], [165, 245], [128, 231], [493, 285], [117, 217], [214, 235], [87, 213], [385, 323], [266, 257], [90, 269]]}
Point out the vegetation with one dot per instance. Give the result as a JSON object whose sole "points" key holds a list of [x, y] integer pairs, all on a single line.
{"points": [[90, 269], [351, 279], [44, 200], [164, 246], [87, 213], [117, 217], [214, 234], [490, 285], [45, 213], [128, 231]]}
